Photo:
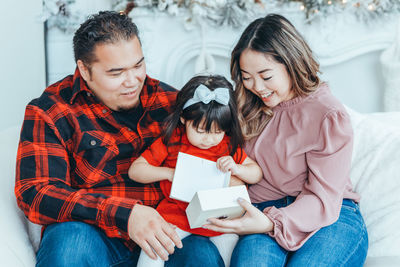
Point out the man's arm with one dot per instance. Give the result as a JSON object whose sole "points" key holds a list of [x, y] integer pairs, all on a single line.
{"points": [[45, 194], [43, 185]]}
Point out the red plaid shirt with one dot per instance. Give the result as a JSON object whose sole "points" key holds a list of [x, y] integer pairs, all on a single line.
{"points": [[73, 156]]}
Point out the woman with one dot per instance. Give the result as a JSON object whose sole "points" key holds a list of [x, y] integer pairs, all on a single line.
{"points": [[304, 210]]}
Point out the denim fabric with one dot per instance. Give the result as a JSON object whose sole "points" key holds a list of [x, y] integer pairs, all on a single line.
{"points": [[344, 243], [196, 251], [80, 244]]}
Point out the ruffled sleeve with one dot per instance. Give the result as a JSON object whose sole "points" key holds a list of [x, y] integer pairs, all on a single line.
{"points": [[320, 200], [239, 156]]}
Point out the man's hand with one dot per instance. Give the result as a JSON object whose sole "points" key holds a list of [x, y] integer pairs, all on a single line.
{"points": [[152, 233], [254, 221]]}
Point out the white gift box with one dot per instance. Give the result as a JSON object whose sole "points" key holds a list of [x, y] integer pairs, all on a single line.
{"points": [[193, 174], [216, 203]]}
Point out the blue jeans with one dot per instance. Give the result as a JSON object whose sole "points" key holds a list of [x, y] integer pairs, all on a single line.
{"points": [[196, 251], [80, 244], [344, 243]]}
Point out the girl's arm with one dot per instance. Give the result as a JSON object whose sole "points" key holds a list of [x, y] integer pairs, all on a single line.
{"points": [[234, 181], [143, 172], [248, 171]]}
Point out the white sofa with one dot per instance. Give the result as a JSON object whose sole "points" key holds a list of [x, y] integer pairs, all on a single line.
{"points": [[375, 174]]}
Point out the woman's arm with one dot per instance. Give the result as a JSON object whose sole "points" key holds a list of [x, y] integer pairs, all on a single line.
{"points": [[143, 172], [249, 171]]}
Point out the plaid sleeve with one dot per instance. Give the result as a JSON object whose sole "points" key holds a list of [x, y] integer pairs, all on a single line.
{"points": [[43, 184]]}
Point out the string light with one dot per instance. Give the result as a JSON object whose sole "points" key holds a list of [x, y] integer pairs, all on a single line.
{"points": [[371, 7], [65, 15]]}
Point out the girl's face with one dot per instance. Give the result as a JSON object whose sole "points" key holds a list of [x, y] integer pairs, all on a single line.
{"points": [[266, 78], [200, 138]]}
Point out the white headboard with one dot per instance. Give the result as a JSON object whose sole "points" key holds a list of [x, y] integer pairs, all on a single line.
{"points": [[347, 49]]}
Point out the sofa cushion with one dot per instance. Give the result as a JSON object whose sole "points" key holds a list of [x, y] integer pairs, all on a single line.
{"points": [[375, 175]]}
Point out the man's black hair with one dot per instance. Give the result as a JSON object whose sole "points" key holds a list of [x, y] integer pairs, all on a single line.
{"points": [[104, 27]]}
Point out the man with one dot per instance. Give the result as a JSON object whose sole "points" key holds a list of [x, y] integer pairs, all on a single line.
{"points": [[77, 143]]}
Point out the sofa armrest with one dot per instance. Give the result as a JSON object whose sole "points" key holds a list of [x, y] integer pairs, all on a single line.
{"points": [[15, 245]]}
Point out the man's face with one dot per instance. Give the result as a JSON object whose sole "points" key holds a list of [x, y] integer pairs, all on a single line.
{"points": [[117, 75]]}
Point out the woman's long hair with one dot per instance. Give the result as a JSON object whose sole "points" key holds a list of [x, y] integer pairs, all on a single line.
{"points": [[275, 36], [213, 113]]}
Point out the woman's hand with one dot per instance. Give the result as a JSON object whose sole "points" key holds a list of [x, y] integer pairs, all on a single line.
{"points": [[253, 221], [226, 164]]}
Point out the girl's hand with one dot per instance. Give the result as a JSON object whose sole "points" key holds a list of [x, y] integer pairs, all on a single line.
{"points": [[226, 164], [253, 221]]}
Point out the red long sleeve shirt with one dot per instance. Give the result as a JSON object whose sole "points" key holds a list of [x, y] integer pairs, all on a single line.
{"points": [[158, 154], [74, 155]]}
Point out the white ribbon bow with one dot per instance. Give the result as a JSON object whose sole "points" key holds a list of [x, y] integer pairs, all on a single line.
{"points": [[205, 95]]}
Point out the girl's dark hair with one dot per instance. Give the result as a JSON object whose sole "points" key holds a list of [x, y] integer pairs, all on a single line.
{"points": [[224, 116]]}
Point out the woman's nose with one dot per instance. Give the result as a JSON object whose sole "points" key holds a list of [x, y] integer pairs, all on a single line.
{"points": [[258, 85]]}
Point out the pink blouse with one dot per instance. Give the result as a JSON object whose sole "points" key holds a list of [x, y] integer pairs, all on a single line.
{"points": [[304, 151]]}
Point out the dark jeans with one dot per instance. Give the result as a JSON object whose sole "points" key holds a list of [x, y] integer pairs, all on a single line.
{"points": [[344, 243], [80, 244]]}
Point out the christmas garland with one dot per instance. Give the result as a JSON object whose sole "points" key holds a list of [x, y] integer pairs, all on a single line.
{"points": [[65, 14]]}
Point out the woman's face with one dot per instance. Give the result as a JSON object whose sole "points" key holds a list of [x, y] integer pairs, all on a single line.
{"points": [[265, 77]]}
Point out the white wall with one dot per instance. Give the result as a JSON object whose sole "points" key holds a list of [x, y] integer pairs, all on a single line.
{"points": [[22, 60], [348, 50], [349, 54]]}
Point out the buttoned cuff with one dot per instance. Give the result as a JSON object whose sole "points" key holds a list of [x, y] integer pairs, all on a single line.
{"points": [[114, 214]]}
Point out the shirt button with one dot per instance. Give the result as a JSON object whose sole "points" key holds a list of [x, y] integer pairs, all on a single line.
{"points": [[104, 111], [88, 94], [93, 142]]}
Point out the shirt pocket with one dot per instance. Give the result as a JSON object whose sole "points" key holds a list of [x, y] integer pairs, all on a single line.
{"points": [[94, 159]]}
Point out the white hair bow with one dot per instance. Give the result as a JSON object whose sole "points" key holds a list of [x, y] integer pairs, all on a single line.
{"points": [[205, 95]]}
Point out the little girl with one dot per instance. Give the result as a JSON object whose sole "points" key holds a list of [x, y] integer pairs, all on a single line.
{"points": [[204, 124]]}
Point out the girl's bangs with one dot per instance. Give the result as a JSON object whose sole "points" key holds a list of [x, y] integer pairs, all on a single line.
{"points": [[206, 115]]}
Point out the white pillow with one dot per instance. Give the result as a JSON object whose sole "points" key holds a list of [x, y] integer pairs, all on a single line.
{"points": [[375, 175], [15, 244]]}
